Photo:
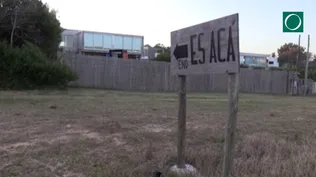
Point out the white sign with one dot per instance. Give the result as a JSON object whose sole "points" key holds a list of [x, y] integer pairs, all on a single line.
{"points": [[210, 47]]}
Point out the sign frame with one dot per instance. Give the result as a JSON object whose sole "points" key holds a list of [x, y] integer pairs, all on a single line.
{"points": [[206, 48], [189, 57]]}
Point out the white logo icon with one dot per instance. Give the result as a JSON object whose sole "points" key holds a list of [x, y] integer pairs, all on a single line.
{"points": [[293, 16]]}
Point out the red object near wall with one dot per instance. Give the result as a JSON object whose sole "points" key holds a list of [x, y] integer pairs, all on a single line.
{"points": [[125, 55]]}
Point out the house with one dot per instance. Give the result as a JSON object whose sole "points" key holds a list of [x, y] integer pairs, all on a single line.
{"points": [[101, 43], [258, 60], [149, 52], [272, 61]]}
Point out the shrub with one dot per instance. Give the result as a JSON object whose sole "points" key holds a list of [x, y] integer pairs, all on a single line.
{"points": [[29, 68], [164, 57], [311, 73]]}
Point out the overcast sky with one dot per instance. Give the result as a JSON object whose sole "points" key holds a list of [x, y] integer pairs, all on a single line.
{"points": [[260, 20]]}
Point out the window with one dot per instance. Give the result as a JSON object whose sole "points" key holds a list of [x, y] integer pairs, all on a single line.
{"points": [[248, 60], [107, 41], [128, 43], [271, 62], [97, 40], [259, 61], [69, 41], [137, 43], [242, 60], [117, 42], [88, 40]]}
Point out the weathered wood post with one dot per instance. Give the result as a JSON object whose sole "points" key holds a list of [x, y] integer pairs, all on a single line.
{"points": [[196, 52]]}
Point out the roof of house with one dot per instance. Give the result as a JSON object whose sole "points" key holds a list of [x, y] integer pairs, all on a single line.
{"points": [[69, 32], [119, 34], [253, 54], [73, 32]]}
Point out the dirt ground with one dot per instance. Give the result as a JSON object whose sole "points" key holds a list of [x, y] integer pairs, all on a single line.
{"points": [[98, 133]]}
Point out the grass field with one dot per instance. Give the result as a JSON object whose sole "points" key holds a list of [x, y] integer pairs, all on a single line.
{"points": [[97, 133]]}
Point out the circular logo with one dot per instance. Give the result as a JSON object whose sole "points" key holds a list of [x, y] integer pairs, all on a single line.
{"points": [[292, 22]]}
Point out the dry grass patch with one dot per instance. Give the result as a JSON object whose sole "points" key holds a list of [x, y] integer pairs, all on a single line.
{"points": [[97, 133]]}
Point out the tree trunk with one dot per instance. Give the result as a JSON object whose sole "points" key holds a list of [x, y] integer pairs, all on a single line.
{"points": [[12, 35], [13, 27]]}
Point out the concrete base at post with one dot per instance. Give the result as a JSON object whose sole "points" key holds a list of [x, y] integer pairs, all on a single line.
{"points": [[188, 171]]}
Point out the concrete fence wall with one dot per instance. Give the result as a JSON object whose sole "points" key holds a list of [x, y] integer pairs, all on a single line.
{"points": [[314, 88], [143, 75]]}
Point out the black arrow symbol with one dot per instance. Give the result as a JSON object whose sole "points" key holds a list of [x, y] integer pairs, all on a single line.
{"points": [[181, 51]]}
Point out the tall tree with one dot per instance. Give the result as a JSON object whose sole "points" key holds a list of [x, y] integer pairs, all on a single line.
{"points": [[159, 46], [288, 54], [32, 21]]}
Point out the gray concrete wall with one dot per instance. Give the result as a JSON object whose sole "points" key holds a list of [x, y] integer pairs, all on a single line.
{"points": [[143, 75], [314, 88]]}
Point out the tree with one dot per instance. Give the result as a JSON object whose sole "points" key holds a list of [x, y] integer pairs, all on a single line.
{"points": [[159, 46], [288, 54], [32, 21], [3, 11], [164, 57], [164, 52]]}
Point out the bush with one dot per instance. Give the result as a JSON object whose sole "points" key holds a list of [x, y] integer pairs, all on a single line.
{"points": [[164, 57], [311, 73], [29, 68]]}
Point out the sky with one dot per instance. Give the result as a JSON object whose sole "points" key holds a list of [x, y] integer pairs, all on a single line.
{"points": [[260, 21]]}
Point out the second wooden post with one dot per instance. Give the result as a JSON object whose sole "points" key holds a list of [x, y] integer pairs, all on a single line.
{"points": [[181, 121]]}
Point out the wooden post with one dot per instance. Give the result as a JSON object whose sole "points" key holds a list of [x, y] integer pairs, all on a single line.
{"points": [[306, 68], [181, 121], [233, 86]]}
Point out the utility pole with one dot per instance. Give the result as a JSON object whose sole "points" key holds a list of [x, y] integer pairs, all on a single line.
{"points": [[298, 50], [306, 68]]}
